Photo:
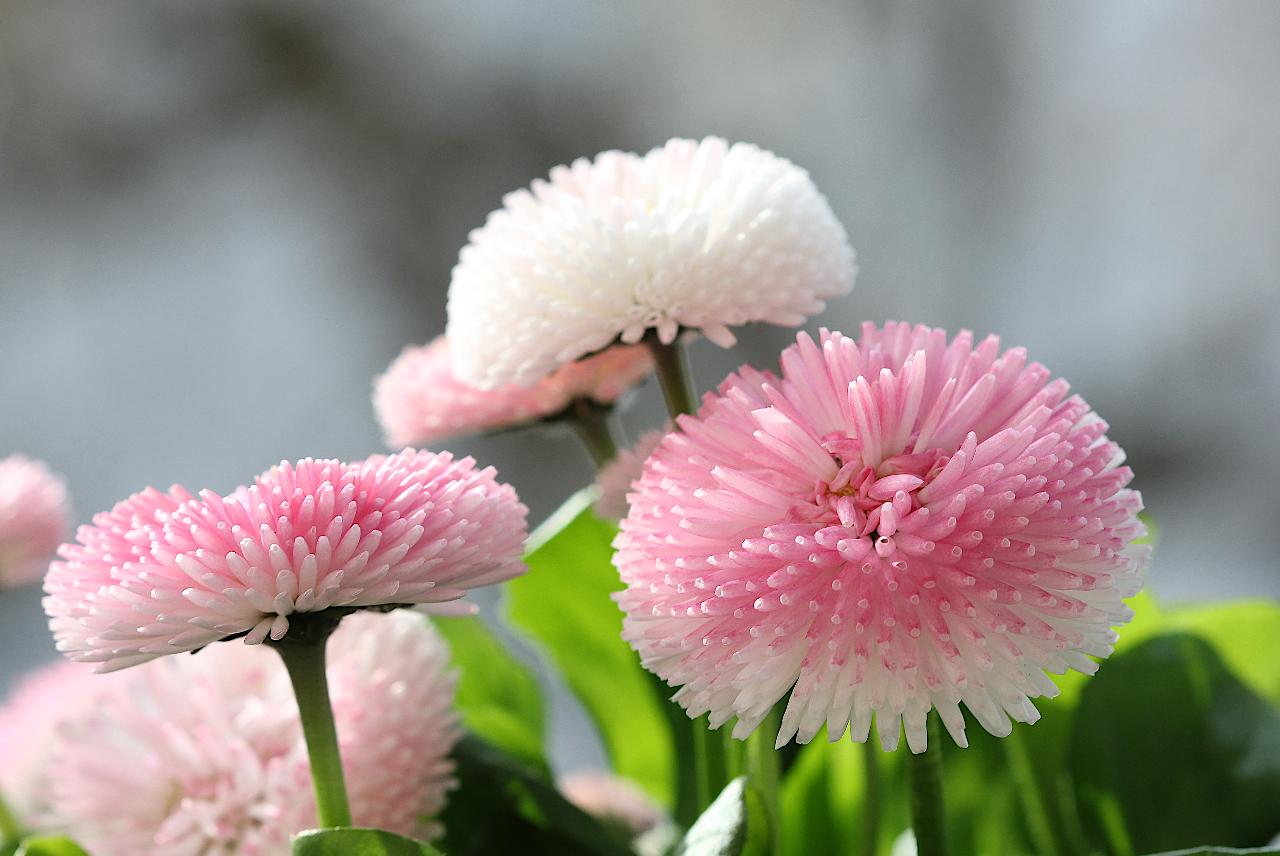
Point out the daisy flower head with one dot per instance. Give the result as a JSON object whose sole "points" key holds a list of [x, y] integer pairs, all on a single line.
{"points": [[164, 573], [891, 526], [420, 401], [700, 235], [34, 519], [206, 754]]}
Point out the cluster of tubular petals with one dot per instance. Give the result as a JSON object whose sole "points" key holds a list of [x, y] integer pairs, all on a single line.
{"points": [[891, 526], [420, 401], [169, 572], [205, 754], [699, 235]]}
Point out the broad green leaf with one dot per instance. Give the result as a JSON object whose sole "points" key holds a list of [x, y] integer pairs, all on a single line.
{"points": [[358, 842], [50, 846], [734, 825], [498, 696], [564, 604], [1171, 750], [506, 805]]}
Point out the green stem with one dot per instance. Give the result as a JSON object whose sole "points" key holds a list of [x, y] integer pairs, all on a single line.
{"points": [[702, 765], [302, 650], [591, 423], [1029, 793], [11, 830], [872, 799], [762, 769], [924, 772], [673, 373]]}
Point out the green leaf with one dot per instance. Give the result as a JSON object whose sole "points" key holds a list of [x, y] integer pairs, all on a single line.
{"points": [[50, 846], [1171, 750], [734, 825], [505, 805], [358, 842], [498, 696], [564, 604]]}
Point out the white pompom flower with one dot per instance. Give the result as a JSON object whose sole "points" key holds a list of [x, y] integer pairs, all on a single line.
{"points": [[699, 235]]}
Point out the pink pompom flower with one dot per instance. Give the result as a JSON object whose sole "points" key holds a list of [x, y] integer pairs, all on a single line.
{"points": [[891, 526], [205, 754], [34, 519], [163, 573], [420, 401], [612, 799]]}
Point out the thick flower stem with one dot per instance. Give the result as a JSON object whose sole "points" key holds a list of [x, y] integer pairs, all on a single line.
{"points": [[924, 772], [303, 652], [871, 799], [673, 374], [762, 769], [1029, 793], [591, 423], [10, 829]]}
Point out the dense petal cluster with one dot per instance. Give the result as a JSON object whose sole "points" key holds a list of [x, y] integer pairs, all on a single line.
{"points": [[34, 519], [891, 526], [163, 573], [420, 401], [697, 234], [614, 481], [204, 755]]}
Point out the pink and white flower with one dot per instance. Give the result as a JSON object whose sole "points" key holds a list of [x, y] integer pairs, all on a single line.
{"points": [[34, 519], [700, 235], [892, 526], [166, 573], [205, 754], [420, 401]]}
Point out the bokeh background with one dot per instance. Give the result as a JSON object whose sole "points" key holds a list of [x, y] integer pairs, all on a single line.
{"points": [[218, 221]]}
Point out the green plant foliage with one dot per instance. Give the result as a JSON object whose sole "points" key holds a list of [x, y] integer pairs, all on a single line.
{"points": [[498, 696], [563, 603], [50, 846], [735, 824], [824, 799], [358, 842], [505, 805], [1223, 851], [1171, 750]]}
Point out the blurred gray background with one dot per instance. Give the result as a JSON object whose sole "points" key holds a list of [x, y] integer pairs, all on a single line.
{"points": [[218, 221]]}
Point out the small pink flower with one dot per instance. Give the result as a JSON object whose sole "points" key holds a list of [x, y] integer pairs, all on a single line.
{"points": [[612, 799], [166, 573], [419, 400], [34, 519], [205, 754], [891, 526], [616, 477]]}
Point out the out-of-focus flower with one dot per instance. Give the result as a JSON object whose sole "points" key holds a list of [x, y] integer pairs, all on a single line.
{"points": [[614, 481], [700, 235], [29, 723], [166, 573], [34, 517], [891, 526], [612, 799], [205, 754], [419, 401]]}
